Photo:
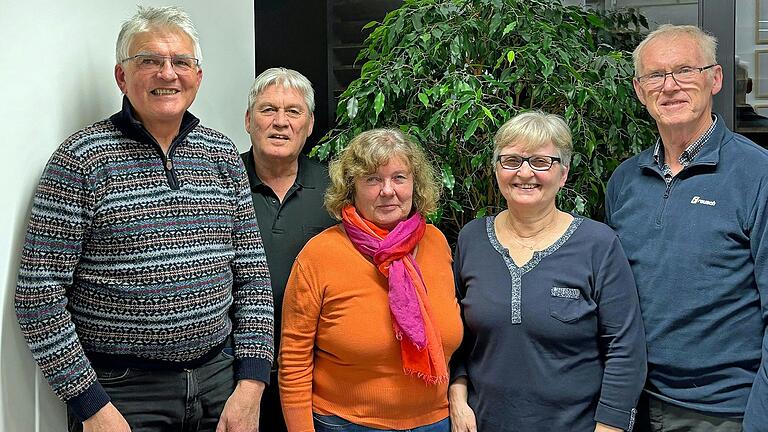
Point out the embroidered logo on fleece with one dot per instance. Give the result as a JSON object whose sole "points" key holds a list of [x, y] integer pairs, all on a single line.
{"points": [[697, 200]]}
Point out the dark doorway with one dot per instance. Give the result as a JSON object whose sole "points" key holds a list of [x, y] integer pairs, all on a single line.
{"points": [[293, 34], [320, 39]]}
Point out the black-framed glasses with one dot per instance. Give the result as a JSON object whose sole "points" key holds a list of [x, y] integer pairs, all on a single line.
{"points": [[536, 162], [154, 63], [684, 75]]}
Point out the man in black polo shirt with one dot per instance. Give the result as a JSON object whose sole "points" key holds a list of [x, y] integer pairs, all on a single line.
{"points": [[287, 189]]}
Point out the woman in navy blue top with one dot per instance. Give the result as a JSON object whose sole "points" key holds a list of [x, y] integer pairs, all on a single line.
{"points": [[553, 335]]}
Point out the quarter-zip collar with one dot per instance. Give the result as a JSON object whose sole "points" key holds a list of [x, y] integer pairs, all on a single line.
{"points": [[709, 155], [131, 127]]}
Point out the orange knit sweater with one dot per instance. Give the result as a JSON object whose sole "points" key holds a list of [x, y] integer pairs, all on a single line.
{"points": [[338, 353]]}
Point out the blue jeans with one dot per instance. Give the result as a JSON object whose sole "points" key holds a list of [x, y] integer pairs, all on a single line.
{"points": [[331, 423], [168, 400]]}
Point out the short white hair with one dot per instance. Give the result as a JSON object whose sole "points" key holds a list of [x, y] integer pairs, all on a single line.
{"points": [[148, 18], [289, 79], [707, 43]]}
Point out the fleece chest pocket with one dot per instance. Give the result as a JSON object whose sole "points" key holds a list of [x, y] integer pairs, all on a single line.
{"points": [[567, 304]]}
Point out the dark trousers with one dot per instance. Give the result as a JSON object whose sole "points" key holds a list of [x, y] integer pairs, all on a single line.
{"points": [[271, 414], [168, 401], [655, 415]]}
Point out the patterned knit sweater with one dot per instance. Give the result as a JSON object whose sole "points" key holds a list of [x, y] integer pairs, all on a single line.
{"points": [[135, 257]]}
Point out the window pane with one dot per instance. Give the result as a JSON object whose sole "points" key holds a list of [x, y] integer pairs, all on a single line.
{"points": [[751, 70]]}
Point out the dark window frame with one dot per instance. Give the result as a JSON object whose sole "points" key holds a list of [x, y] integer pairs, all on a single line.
{"points": [[718, 17]]}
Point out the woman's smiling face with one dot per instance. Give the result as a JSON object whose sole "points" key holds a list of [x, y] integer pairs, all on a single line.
{"points": [[528, 188]]}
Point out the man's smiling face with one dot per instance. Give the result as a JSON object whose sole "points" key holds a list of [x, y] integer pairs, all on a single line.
{"points": [[162, 95], [674, 104]]}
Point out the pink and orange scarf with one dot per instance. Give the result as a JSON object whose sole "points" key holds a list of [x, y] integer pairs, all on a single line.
{"points": [[392, 252]]}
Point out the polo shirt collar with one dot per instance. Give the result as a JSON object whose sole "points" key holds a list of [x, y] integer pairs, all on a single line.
{"points": [[302, 179], [250, 169]]}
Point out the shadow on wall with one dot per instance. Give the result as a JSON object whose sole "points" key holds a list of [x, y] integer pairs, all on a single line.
{"points": [[18, 374], [87, 94]]}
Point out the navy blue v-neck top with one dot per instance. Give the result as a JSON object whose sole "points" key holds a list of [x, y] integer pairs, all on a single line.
{"points": [[556, 344]]}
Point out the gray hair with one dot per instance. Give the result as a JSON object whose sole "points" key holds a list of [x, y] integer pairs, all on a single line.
{"points": [[532, 130], [149, 18], [289, 79], [706, 42]]}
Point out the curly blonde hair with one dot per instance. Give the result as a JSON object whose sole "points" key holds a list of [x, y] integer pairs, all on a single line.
{"points": [[365, 154]]}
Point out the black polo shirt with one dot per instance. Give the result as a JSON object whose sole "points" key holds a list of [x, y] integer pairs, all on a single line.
{"points": [[285, 227]]}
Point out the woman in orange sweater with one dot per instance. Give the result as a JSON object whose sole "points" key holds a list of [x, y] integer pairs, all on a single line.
{"points": [[370, 318]]}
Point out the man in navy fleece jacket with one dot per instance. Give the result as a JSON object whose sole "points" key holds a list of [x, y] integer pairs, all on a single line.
{"points": [[691, 214]]}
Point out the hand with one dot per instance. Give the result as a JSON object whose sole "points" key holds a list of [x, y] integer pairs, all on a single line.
{"points": [[241, 412], [600, 427], [107, 419], [462, 417]]}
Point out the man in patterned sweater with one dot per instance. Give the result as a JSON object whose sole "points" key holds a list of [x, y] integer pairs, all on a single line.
{"points": [[143, 256]]}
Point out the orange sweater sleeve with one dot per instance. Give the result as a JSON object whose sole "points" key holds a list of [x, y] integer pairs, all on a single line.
{"points": [[301, 310]]}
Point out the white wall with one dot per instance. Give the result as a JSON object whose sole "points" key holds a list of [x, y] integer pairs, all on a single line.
{"points": [[56, 76]]}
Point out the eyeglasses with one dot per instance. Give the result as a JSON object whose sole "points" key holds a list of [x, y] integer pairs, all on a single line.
{"points": [[684, 75], [536, 162], [153, 63]]}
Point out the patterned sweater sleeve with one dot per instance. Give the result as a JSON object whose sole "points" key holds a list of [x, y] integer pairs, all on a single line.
{"points": [[253, 308], [58, 226]]}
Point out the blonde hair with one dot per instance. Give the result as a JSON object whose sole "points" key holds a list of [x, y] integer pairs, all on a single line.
{"points": [[365, 154], [532, 130], [706, 42]]}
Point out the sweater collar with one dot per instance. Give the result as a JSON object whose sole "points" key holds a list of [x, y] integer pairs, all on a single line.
{"points": [[708, 155], [130, 126]]}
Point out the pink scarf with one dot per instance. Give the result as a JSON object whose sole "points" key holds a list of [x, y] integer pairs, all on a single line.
{"points": [[412, 319]]}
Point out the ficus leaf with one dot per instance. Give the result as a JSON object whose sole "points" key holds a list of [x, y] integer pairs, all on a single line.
{"points": [[448, 179], [352, 105], [424, 99], [450, 72], [378, 103], [489, 114], [508, 28], [471, 128]]}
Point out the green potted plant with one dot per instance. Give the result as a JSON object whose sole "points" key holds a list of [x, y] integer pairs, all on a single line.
{"points": [[451, 72]]}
